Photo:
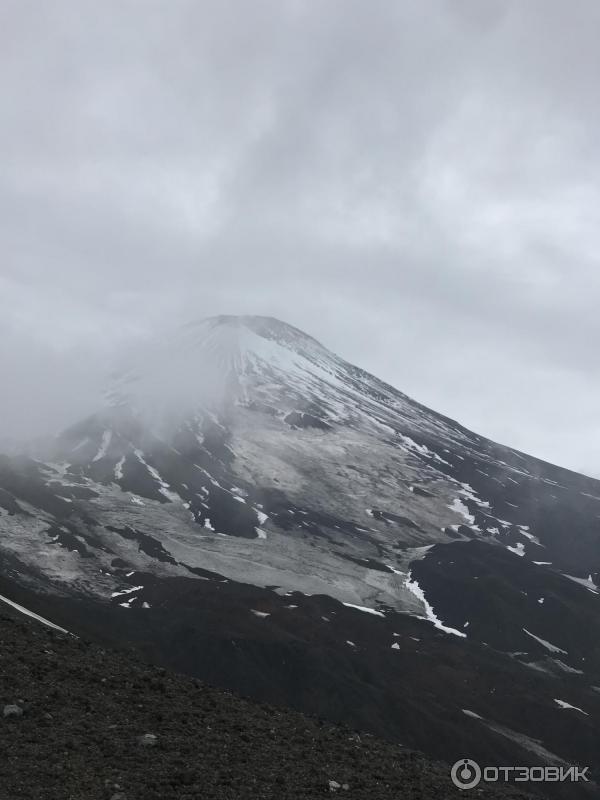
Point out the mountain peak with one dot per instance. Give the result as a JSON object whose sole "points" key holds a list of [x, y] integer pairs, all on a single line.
{"points": [[219, 358], [236, 328]]}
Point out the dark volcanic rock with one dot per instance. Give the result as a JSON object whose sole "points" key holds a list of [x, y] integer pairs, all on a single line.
{"points": [[210, 744]]}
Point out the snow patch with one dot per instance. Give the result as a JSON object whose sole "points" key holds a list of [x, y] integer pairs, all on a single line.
{"points": [[564, 704], [126, 591], [421, 450], [262, 517], [591, 496], [470, 493], [394, 570], [566, 668], [164, 486], [587, 583], [365, 609], [552, 648], [459, 507], [414, 587], [105, 444], [31, 614]]}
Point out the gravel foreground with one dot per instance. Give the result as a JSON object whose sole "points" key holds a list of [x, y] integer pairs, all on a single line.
{"points": [[78, 722]]}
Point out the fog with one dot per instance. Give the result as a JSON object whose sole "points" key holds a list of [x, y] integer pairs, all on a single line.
{"points": [[414, 184]]}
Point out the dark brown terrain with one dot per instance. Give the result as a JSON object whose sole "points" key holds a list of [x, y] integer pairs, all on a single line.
{"points": [[85, 709]]}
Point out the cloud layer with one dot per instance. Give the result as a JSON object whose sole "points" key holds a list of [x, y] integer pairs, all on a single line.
{"points": [[416, 185]]}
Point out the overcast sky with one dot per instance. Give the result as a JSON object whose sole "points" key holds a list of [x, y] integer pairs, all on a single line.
{"points": [[414, 183]]}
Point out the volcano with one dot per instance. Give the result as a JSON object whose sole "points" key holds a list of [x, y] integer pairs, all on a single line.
{"points": [[251, 509]]}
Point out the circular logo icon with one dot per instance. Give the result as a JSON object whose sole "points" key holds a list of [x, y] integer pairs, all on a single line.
{"points": [[466, 774]]}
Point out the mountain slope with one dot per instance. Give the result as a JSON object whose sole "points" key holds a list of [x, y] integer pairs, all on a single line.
{"points": [[243, 483], [94, 706]]}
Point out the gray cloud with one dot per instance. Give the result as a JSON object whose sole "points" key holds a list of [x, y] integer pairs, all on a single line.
{"points": [[414, 184]]}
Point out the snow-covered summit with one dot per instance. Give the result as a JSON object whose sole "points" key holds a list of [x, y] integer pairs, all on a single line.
{"points": [[204, 360], [227, 361], [241, 328]]}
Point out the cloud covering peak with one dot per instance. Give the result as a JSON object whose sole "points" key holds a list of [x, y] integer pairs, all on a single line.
{"points": [[416, 186]]}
